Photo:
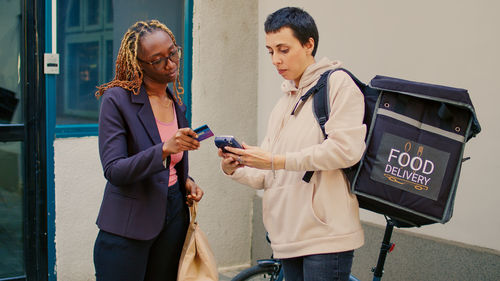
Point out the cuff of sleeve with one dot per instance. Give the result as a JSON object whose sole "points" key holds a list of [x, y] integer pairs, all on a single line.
{"points": [[165, 163], [236, 175], [291, 161]]}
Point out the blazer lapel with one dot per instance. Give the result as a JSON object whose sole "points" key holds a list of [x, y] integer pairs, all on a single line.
{"points": [[145, 114], [180, 111]]}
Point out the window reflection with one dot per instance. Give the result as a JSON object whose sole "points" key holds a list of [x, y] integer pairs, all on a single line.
{"points": [[8, 105], [73, 12], [83, 74], [85, 58], [93, 6], [10, 36], [11, 210]]}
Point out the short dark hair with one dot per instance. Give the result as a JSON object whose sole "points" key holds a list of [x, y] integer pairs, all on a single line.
{"points": [[301, 23]]}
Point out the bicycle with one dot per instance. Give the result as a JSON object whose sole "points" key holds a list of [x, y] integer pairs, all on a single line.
{"points": [[271, 269]]}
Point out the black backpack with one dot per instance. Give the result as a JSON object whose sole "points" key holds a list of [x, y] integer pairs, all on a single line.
{"points": [[416, 135], [322, 111]]}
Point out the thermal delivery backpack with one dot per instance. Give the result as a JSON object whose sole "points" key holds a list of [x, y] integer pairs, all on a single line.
{"points": [[414, 147]]}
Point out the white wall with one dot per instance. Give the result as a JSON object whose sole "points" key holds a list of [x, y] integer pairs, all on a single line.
{"points": [[453, 43], [79, 186]]}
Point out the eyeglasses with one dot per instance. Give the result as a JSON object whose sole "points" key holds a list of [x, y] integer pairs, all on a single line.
{"points": [[160, 63]]}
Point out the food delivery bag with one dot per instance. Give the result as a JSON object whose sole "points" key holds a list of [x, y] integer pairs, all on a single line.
{"points": [[414, 153]]}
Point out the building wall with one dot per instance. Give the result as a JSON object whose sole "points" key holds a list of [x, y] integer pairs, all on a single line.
{"points": [[234, 87], [224, 97], [79, 186], [453, 43]]}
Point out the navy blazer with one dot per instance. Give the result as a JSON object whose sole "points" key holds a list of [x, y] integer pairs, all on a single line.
{"points": [[135, 199]]}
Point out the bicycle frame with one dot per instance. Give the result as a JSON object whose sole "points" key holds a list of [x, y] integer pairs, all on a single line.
{"points": [[386, 248], [276, 264]]}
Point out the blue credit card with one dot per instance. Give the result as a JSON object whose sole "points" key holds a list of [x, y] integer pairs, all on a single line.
{"points": [[203, 132]]}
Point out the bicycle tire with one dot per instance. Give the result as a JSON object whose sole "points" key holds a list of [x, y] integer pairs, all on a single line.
{"points": [[257, 273]]}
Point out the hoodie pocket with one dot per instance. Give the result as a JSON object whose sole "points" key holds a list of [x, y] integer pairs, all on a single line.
{"points": [[289, 216]]}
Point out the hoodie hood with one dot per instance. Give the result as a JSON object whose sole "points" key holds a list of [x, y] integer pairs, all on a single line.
{"points": [[310, 75]]}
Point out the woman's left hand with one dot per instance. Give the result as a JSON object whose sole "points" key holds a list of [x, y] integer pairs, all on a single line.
{"points": [[193, 191], [255, 157]]}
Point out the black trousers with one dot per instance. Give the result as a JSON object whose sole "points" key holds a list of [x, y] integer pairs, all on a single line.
{"points": [[118, 258]]}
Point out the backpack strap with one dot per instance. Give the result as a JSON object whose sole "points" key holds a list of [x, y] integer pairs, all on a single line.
{"points": [[322, 82], [321, 104]]}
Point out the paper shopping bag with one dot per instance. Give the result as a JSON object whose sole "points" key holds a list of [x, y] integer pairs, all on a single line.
{"points": [[197, 261]]}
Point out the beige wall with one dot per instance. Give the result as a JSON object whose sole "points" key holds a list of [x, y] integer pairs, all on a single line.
{"points": [[453, 43]]}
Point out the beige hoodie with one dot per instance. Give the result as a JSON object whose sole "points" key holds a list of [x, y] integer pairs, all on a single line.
{"points": [[321, 216]]}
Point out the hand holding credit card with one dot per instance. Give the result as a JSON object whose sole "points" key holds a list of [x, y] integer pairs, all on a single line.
{"points": [[203, 132]]}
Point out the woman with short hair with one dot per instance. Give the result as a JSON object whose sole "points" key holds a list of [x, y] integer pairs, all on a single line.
{"points": [[313, 226]]}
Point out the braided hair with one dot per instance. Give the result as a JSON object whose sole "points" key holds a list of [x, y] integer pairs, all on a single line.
{"points": [[128, 72]]}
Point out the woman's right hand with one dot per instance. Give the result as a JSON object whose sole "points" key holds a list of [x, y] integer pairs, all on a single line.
{"points": [[229, 162], [184, 139]]}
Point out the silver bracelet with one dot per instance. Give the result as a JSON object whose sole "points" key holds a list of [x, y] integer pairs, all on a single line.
{"points": [[272, 165]]}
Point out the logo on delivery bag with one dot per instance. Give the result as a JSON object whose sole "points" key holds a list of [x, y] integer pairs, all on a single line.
{"points": [[410, 166]]}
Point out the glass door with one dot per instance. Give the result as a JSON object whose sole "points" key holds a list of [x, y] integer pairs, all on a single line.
{"points": [[22, 203], [11, 143]]}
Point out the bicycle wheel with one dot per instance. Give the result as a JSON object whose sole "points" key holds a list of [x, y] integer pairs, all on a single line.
{"points": [[258, 273]]}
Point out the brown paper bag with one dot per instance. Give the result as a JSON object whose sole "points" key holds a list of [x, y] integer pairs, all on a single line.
{"points": [[197, 261]]}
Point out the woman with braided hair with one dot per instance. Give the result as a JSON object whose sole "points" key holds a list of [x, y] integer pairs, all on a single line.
{"points": [[144, 138]]}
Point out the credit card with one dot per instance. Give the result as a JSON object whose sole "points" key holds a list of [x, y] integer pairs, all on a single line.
{"points": [[203, 132]]}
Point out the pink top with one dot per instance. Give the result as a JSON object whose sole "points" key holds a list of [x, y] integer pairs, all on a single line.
{"points": [[168, 130]]}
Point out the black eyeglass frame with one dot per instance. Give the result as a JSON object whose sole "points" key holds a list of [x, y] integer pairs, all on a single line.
{"points": [[157, 62]]}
